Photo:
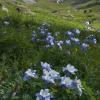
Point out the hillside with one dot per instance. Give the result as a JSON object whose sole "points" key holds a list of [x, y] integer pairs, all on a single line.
{"points": [[45, 45]]}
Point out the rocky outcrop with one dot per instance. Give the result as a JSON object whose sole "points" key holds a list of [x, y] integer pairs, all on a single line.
{"points": [[30, 1]]}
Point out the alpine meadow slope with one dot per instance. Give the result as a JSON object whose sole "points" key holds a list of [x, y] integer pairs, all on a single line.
{"points": [[49, 51]]}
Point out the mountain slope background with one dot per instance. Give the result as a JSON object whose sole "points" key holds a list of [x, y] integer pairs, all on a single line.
{"points": [[18, 53], [71, 10]]}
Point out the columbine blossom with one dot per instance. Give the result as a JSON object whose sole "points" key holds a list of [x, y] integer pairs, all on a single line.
{"points": [[49, 33], [46, 66], [66, 82], [92, 39], [68, 42], [54, 74], [59, 44], [33, 39], [77, 85], [85, 46], [70, 34], [77, 31], [52, 42], [72, 84], [42, 31], [70, 68], [50, 76], [50, 39], [43, 95], [76, 40], [30, 74], [46, 77]]}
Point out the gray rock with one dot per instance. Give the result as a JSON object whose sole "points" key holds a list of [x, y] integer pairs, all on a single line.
{"points": [[30, 1]]}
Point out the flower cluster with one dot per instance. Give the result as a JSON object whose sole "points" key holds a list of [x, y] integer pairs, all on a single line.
{"points": [[51, 40], [91, 39], [68, 79], [50, 76], [72, 84], [74, 38]]}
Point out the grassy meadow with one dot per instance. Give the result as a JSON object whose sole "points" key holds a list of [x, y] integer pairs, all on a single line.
{"points": [[18, 52]]}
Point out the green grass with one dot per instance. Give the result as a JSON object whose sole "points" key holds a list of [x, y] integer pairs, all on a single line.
{"points": [[18, 53]]}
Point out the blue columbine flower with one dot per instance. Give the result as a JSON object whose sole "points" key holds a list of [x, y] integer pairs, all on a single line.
{"points": [[44, 95], [42, 31], [77, 41], [70, 69], [52, 42], [77, 31], [50, 75], [68, 42], [85, 46], [66, 82], [59, 44], [54, 74], [92, 39], [77, 85], [49, 33], [50, 39], [70, 34], [46, 77], [30, 74], [72, 84], [33, 39], [46, 66]]}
